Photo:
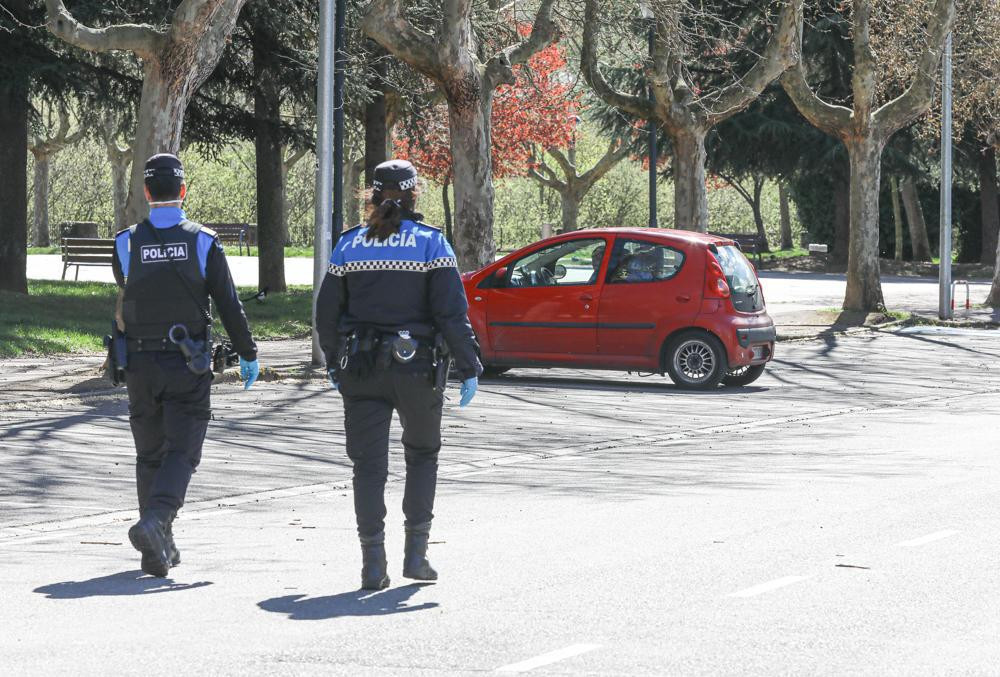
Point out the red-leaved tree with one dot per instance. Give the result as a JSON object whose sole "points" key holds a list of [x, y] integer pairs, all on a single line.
{"points": [[538, 109]]}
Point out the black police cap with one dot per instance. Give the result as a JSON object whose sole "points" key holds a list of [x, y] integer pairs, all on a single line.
{"points": [[164, 165], [394, 175]]}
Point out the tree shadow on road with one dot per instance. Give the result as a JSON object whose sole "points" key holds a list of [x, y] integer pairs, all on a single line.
{"points": [[123, 583], [354, 603]]}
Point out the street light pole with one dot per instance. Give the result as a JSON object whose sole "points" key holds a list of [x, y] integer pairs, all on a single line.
{"points": [[340, 65], [650, 19], [945, 310], [322, 240]]}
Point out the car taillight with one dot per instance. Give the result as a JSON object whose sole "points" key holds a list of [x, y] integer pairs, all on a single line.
{"points": [[716, 286]]}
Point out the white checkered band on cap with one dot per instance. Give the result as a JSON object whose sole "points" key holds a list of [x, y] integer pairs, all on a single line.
{"points": [[406, 184], [150, 173], [377, 185]]}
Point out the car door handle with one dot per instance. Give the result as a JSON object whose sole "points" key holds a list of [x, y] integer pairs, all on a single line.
{"points": [[586, 297], [683, 298]]}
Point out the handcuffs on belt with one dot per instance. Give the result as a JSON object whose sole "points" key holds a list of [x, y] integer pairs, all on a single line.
{"points": [[402, 347]]}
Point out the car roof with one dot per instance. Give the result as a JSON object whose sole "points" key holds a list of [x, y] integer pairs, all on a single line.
{"points": [[688, 236]]}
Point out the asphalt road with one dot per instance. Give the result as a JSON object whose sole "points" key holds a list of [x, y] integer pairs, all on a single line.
{"points": [[785, 292], [839, 516]]}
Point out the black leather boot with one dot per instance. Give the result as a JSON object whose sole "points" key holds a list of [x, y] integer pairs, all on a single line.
{"points": [[172, 551], [415, 564], [374, 569], [148, 536]]}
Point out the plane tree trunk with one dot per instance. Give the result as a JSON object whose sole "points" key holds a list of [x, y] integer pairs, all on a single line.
{"points": [[864, 128]]}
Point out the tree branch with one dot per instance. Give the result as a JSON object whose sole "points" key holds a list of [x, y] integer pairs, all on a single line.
{"points": [[738, 187], [204, 28], [612, 156], [634, 105], [552, 183], [543, 33], [918, 97], [783, 50], [863, 87], [141, 39], [564, 164], [500, 69], [384, 23], [831, 119]]}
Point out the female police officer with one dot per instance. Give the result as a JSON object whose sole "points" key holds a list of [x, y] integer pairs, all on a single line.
{"points": [[390, 307]]}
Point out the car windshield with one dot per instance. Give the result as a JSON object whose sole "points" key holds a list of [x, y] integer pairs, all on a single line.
{"points": [[741, 278]]}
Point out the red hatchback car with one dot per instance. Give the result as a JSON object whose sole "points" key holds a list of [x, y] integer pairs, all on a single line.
{"points": [[648, 300]]}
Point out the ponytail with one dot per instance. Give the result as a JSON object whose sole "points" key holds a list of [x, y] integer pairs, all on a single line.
{"points": [[389, 209]]}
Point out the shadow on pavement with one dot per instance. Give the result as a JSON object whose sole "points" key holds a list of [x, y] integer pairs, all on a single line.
{"points": [[123, 583], [354, 603]]}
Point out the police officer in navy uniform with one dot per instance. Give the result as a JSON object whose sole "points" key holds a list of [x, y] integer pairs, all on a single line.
{"points": [[390, 307], [168, 267]]}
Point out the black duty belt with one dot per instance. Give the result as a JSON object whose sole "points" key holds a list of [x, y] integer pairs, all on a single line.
{"points": [[151, 345]]}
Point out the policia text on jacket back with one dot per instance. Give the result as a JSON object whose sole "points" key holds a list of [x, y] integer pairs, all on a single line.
{"points": [[168, 268], [391, 315]]}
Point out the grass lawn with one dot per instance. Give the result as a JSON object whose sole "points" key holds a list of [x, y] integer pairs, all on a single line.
{"points": [[784, 253], [290, 252], [69, 317]]}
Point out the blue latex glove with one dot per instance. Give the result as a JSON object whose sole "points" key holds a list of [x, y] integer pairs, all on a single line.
{"points": [[332, 375], [249, 371], [468, 391]]}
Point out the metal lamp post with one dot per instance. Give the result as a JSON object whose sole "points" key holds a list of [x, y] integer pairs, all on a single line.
{"points": [[945, 310], [323, 237], [647, 14], [650, 20]]}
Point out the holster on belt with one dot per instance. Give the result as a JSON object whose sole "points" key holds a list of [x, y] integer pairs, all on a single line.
{"points": [[442, 362], [114, 366]]}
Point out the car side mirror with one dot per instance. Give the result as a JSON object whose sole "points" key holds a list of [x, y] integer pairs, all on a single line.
{"points": [[559, 272], [500, 277]]}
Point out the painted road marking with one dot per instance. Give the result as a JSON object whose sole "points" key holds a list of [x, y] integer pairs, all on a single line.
{"points": [[549, 658], [929, 538], [769, 586]]}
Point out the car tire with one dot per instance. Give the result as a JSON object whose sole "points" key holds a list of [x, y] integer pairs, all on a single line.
{"points": [[492, 371], [696, 360], [743, 376]]}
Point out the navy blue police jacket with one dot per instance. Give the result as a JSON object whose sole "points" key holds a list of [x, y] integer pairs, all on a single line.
{"points": [[409, 281]]}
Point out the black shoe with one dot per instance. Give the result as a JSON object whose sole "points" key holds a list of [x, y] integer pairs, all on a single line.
{"points": [[374, 569], [415, 564], [148, 537]]}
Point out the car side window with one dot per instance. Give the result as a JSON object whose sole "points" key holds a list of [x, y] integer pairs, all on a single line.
{"points": [[641, 261], [575, 262]]}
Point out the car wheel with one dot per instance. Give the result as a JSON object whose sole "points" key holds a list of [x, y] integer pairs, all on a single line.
{"points": [[491, 371], [743, 376], [696, 360]]}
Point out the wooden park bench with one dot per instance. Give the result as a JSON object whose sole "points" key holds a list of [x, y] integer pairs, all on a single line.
{"points": [[747, 242], [86, 251], [242, 234]]}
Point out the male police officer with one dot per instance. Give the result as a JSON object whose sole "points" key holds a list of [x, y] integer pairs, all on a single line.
{"points": [[168, 267]]}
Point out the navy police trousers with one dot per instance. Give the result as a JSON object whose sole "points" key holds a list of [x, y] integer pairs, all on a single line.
{"points": [[368, 405], [169, 409]]}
